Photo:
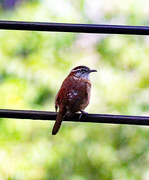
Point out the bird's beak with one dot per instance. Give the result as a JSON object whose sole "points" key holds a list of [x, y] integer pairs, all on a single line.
{"points": [[93, 70]]}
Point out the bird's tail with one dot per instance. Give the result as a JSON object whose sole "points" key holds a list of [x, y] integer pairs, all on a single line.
{"points": [[58, 122]]}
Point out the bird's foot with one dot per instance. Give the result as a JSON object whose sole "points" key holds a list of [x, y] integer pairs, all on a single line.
{"points": [[82, 112], [69, 115]]}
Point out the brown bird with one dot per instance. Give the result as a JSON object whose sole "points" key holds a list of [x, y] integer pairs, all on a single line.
{"points": [[74, 95]]}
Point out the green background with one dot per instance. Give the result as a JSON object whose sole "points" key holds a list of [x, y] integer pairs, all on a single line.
{"points": [[32, 68]]}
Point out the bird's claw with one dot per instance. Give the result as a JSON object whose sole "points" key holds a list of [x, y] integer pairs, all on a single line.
{"points": [[82, 112]]}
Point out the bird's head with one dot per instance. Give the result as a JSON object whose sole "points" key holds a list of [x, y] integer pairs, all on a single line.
{"points": [[82, 72]]}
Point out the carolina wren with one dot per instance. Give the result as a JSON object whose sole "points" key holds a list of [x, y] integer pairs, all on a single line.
{"points": [[74, 94]]}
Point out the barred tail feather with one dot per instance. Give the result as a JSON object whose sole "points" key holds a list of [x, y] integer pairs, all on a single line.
{"points": [[57, 124]]}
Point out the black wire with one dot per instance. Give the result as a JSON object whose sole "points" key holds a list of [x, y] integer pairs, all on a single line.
{"points": [[92, 118], [78, 28]]}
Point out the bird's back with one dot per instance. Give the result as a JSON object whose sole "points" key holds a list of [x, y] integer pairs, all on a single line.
{"points": [[74, 94]]}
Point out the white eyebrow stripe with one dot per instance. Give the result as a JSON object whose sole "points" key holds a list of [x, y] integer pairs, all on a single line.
{"points": [[74, 70]]}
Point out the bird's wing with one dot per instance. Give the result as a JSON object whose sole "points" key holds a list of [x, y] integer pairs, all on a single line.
{"points": [[79, 97]]}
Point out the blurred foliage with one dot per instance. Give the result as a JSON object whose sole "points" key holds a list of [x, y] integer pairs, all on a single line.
{"points": [[33, 65]]}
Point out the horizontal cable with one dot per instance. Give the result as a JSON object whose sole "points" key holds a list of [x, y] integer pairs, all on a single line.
{"points": [[93, 118], [78, 28]]}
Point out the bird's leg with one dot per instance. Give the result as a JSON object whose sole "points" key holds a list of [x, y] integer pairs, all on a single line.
{"points": [[70, 114], [68, 117], [82, 112]]}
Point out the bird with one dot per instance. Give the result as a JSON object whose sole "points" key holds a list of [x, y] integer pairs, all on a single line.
{"points": [[73, 96]]}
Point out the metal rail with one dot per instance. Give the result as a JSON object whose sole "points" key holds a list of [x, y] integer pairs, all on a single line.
{"points": [[93, 118], [77, 28]]}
